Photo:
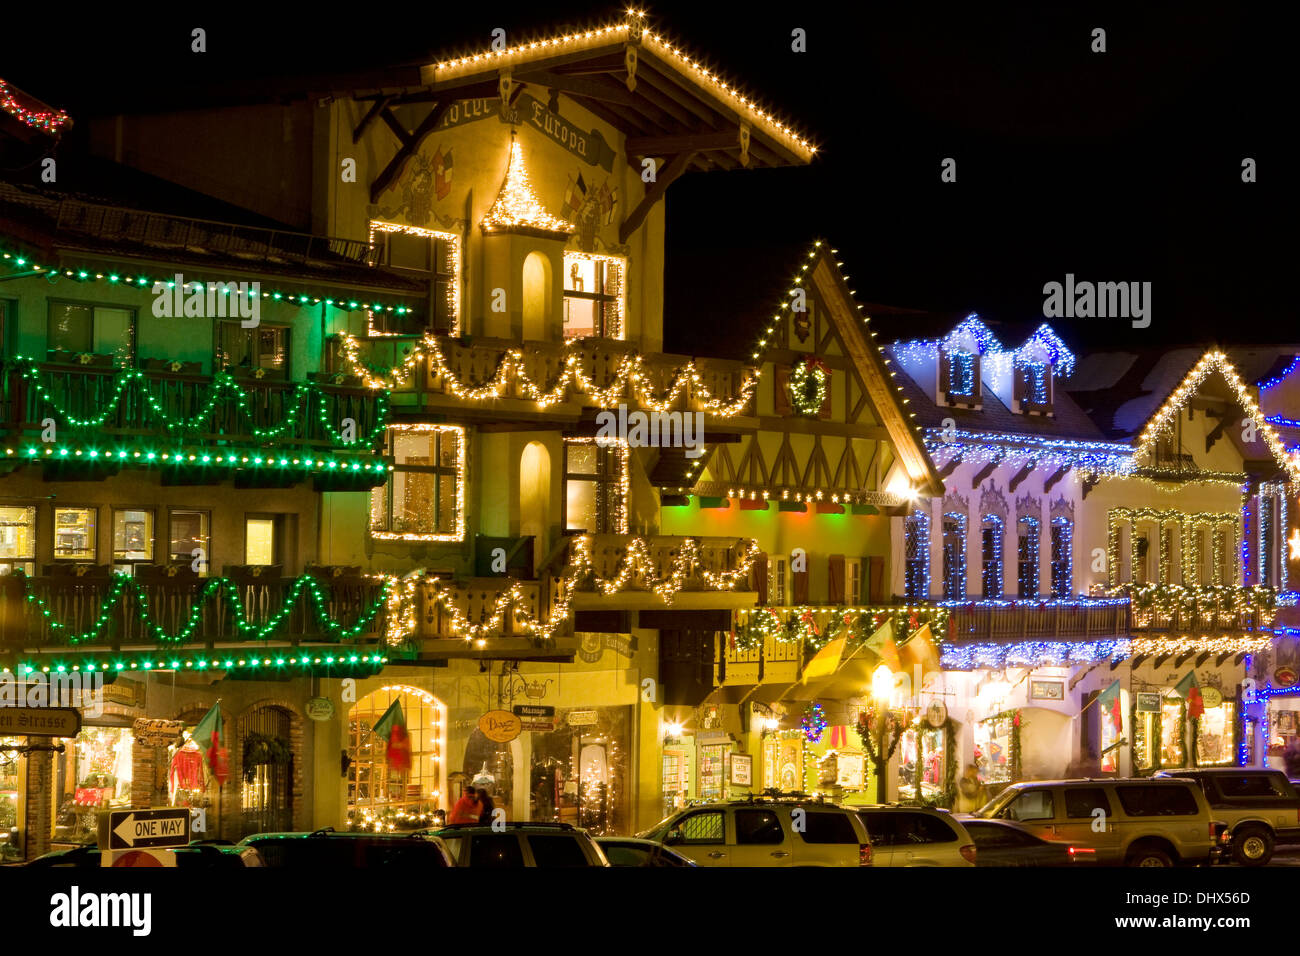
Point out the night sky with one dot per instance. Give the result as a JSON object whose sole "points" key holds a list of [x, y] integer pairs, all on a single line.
{"points": [[1122, 166]]}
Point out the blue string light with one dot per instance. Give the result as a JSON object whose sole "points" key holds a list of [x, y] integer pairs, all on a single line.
{"points": [[1062, 557], [991, 579], [1028, 570], [954, 570], [1032, 653], [918, 555], [1280, 376]]}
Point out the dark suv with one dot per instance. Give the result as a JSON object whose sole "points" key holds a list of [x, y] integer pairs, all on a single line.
{"points": [[1261, 808], [520, 844], [330, 849]]}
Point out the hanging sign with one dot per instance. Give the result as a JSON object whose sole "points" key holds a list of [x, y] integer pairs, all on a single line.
{"points": [[155, 731], [742, 770], [581, 718], [936, 715], [1148, 703], [1211, 697], [590, 146], [500, 726], [39, 722], [536, 718], [319, 708], [1284, 676]]}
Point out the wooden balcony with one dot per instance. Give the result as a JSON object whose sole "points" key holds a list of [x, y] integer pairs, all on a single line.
{"points": [[476, 362], [659, 571], [1202, 610], [444, 607], [1074, 619], [91, 609]]}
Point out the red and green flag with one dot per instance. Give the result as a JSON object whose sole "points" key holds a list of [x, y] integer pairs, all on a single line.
{"points": [[1190, 691], [1108, 701], [392, 728], [210, 734]]}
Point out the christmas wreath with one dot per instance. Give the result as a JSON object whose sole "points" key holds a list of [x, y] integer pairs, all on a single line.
{"points": [[260, 749], [808, 380]]}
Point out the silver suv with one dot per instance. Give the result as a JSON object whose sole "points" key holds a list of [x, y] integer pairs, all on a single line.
{"points": [[1115, 822]]}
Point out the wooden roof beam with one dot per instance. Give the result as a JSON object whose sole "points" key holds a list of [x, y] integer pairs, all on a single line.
{"points": [[1060, 473], [984, 472], [410, 145], [951, 466], [664, 178], [1020, 476]]}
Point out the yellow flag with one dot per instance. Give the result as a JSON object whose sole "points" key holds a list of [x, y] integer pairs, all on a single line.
{"points": [[882, 642], [826, 661], [920, 649]]}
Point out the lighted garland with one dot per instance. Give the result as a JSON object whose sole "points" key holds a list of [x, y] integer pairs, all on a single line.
{"points": [[51, 121], [801, 623], [638, 565], [223, 383], [813, 722], [510, 371], [808, 379], [1190, 523], [214, 588]]}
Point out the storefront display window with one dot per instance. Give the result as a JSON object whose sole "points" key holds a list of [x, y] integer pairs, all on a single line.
{"points": [[94, 775], [1216, 736], [993, 749], [676, 780], [379, 794], [713, 769], [930, 770], [10, 805], [1172, 751], [579, 772], [783, 761]]}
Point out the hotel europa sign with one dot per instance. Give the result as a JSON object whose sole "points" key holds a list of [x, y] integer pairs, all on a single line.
{"points": [[588, 145]]}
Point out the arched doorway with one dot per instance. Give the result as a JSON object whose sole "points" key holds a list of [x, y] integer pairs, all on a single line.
{"points": [[380, 795], [266, 761], [537, 297], [535, 497]]}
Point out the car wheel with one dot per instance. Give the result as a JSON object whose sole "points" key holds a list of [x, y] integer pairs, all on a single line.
{"points": [[1149, 856], [1253, 846]]}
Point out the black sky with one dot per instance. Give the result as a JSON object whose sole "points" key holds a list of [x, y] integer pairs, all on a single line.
{"points": [[1122, 166]]}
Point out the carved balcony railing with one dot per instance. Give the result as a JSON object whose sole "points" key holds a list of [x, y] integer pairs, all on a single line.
{"points": [[662, 565], [1046, 619], [1199, 610]]}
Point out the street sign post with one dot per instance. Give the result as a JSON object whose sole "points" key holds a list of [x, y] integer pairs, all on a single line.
{"points": [[144, 829], [39, 721]]}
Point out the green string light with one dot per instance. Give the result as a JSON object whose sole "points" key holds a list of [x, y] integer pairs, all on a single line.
{"points": [[229, 591], [223, 383], [283, 657]]}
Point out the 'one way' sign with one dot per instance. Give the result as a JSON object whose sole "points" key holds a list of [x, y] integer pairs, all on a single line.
{"points": [[142, 829]]}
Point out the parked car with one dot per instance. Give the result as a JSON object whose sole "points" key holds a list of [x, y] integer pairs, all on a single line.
{"points": [[1119, 822], [633, 851], [1005, 843], [218, 856], [87, 855], [330, 849], [766, 831], [916, 836], [1261, 808], [520, 845]]}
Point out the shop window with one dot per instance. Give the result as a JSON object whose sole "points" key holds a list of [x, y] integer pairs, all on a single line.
{"points": [[74, 534], [18, 539], [265, 347], [758, 828], [991, 543], [705, 826], [188, 532], [1216, 736], [380, 796], [1173, 753], [917, 569], [424, 497], [436, 256], [594, 476], [1031, 805], [74, 330], [923, 763], [593, 296], [676, 784], [954, 556], [1027, 557], [11, 803], [92, 775], [1062, 557], [712, 775], [993, 749], [1082, 802], [132, 535], [580, 772]]}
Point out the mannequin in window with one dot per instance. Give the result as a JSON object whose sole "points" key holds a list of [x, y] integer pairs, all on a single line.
{"points": [[122, 766], [186, 770]]}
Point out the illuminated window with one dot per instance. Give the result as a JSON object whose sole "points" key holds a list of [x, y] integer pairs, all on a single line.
{"points": [[954, 555], [188, 532], [377, 793], [74, 534], [18, 539], [592, 487], [83, 329], [593, 296], [436, 257], [261, 541], [776, 581], [1027, 556], [959, 375], [265, 347], [1062, 557], [917, 536], [423, 499], [991, 541], [132, 535], [1033, 386]]}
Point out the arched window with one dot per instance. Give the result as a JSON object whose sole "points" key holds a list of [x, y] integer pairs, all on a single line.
{"points": [[379, 794], [991, 529], [1062, 557], [917, 570], [1027, 557], [537, 297], [954, 555]]}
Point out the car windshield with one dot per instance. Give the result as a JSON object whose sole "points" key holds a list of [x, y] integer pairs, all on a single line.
{"points": [[659, 829], [990, 809]]}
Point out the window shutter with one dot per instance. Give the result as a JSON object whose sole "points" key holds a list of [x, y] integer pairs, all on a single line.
{"points": [[799, 585], [835, 565], [781, 393], [758, 576], [876, 579]]}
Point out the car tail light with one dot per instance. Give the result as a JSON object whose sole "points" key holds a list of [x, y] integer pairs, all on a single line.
{"points": [[864, 854], [968, 853]]}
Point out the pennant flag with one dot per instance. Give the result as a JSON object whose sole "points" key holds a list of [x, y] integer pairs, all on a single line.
{"points": [[1108, 701], [920, 650], [574, 194], [210, 734], [826, 661], [442, 164], [1190, 691], [392, 728], [882, 643]]}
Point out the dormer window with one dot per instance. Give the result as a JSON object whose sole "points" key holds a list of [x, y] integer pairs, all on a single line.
{"points": [[1033, 388], [959, 377]]}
